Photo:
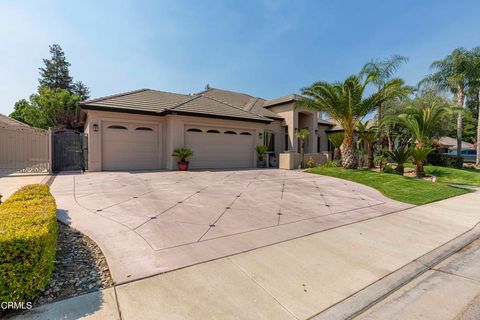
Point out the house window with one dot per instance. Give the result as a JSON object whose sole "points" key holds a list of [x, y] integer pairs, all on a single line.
{"points": [[144, 129], [115, 126], [318, 143], [286, 139], [245, 134], [229, 132], [269, 140], [213, 131], [194, 130]]}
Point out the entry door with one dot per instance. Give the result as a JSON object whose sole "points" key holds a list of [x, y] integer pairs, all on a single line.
{"points": [[220, 147], [129, 146]]}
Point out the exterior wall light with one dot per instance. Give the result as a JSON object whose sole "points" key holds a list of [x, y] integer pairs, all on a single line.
{"points": [[260, 135], [95, 127]]}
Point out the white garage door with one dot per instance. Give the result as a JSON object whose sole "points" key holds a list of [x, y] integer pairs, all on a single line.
{"points": [[129, 146], [220, 148]]}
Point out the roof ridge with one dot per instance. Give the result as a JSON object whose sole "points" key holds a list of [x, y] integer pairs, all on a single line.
{"points": [[231, 105], [182, 103], [15, 120], [113, 96], [246, 94], [250, 104]]}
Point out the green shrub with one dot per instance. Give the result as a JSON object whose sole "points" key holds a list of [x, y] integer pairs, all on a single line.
{"points": [[329, 164], [445, 160], [388, 169], [28, 240]]}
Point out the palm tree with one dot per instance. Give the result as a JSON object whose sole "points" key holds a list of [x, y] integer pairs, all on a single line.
{"points": [[421, 123], [336, 139], [345, 103], [302, 135], [450, 74], [400, 156], [419, 155], [381, 73], [473, 75], [368, 134]]}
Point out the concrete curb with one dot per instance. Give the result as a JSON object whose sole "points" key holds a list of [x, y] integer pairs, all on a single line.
{"points": [[364, 299]]}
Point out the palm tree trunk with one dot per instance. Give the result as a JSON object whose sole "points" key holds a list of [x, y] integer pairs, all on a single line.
{"points": [[302, 153], [370, 156], [349, 157], [477, 162], [460, 99], [389, 141], [336, 154], [419, 169]]}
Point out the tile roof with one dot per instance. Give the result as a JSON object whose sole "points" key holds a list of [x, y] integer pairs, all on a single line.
{"points": [[212, 102], [10, 122]]}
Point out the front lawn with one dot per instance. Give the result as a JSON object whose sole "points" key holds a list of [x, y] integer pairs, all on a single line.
{"points": [[404, 189], [469, 177]]}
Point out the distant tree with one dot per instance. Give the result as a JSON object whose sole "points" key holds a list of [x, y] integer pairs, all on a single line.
{"points": [[302, 135], [81, 90], [24, 112], [55, 74]]}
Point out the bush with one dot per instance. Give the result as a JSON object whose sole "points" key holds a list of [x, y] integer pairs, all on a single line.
{"points": [[445, 160], [28, 240], [329, 164], [388, 169], [311, 163]]}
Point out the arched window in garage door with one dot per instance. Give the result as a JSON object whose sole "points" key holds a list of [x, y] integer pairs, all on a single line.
{"points": [[144, 129], [116, 126], [213, 131], [194, 130], [229, 132], [245, 134]]}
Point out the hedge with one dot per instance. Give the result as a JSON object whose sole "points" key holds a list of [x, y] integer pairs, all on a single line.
{"points": [[445, 160], [28, 240]]}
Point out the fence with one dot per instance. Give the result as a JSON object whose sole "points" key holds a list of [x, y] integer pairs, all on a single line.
{"points": [[24, 150]]}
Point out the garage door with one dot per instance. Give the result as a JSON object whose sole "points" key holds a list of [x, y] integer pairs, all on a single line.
{"points": [[129, 146], [220, 148]]}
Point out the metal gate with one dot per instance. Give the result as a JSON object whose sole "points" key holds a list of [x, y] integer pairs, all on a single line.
{"points": [[69, 151]]}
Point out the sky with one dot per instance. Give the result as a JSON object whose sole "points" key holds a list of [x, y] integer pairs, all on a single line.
{"points": [[265, 48]]}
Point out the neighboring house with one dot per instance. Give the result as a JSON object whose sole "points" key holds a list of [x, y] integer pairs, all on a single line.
{"points": [[8, 122], [447, 144], [140, 129]]}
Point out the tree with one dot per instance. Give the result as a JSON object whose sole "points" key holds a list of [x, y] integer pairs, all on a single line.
{"points": [[368, 134], [81, 90], [55, 73], [345, 102], [336, 140], [47, 108], [302, 135], [399, 156], [473, 76], [450, 74], [381, 72], [419, 155]]}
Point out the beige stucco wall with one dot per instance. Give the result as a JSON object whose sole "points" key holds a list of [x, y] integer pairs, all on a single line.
{"points": [[171, 133]]}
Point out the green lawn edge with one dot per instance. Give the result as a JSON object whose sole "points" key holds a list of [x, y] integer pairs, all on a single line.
{"points": [[469, 177], [396, 187]]}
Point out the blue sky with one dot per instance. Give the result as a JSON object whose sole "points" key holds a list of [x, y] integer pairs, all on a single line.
{"points": [[265, 48]]}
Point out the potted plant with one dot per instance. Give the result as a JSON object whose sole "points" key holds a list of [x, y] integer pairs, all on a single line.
{"points": [[183, 154], [261, 150]]}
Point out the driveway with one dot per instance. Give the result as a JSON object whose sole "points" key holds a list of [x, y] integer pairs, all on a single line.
{"points": [[152, 222]]}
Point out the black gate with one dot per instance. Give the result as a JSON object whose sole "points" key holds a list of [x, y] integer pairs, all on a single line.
{"points": [[69, 151]]}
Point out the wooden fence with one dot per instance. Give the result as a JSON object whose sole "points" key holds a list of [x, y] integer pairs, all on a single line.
{"points": [[24, 150]]}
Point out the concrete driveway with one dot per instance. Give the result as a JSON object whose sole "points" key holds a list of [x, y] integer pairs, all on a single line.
{"points": [[152, 222]]}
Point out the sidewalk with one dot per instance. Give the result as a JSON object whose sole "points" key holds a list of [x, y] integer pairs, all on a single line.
{"points": [[11, 183], [296, 279]]}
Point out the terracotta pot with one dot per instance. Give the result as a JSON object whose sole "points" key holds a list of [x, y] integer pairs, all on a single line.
{"points": [[183, 166]]}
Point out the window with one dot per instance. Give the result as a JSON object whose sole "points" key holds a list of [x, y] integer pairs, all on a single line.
{"points": [[318, 143], [229, 132], [286, 139], [245, 134], [194, 130], [115, 126], [213, 131], [269, 140], [144, 129]]}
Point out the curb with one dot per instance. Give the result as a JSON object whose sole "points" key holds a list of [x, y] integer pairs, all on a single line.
{"points": [[367, 297]]}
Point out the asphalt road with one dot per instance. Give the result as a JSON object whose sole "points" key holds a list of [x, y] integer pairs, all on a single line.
{"points": [[451, 290]]}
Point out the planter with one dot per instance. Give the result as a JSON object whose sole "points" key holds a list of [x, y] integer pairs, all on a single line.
{"points": [[183, 165], [261, 164]]}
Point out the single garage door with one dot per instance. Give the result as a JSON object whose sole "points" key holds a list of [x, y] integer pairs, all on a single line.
{"points": [[129, 146], [220, 147]]}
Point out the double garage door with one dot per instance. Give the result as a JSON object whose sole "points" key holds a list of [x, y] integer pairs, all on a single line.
{"points": [[129, 146], [220, 147]]}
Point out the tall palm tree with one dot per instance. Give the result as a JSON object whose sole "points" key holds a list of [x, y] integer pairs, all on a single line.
{"points": [[382, 72], [450, 74], [345, 102], [302, 135], [473, 75], [368, 134]]}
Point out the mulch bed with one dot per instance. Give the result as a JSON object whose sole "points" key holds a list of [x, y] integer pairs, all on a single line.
{"points": [[80, 267]]}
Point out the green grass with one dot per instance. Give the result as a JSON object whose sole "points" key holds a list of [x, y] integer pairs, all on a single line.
{"points": [[404, 189], [470, 177]]}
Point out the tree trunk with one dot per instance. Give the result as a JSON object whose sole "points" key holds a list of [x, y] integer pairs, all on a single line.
{"points": [[336, 154], [302, 153], [460, 99], [389, 141], [477, 162], [349, 157], [400, 168], [370, 156], [419, 169]]}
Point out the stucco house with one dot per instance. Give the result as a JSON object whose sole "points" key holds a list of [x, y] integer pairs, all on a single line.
{"points": [[140, 129]]}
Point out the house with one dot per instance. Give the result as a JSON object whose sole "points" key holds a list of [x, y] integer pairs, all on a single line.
{"points": [[7, 122], [448, 144], [140, 129]]}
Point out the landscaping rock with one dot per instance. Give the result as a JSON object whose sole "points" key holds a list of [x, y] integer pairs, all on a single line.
{"points": [[80, 267]]}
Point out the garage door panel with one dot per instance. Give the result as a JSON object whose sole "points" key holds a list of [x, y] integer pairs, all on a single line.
{"points": [[129, 149], [220, 150]]}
